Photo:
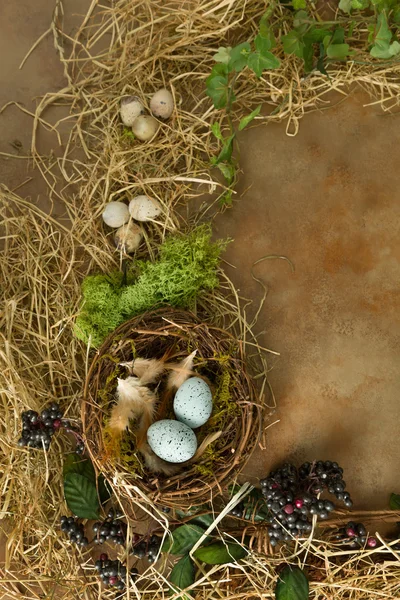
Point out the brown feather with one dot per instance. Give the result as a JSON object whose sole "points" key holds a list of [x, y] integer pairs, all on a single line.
{"points": [[180, 371]]}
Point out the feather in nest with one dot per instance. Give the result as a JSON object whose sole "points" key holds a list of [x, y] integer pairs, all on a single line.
{"points": [[134, 401]]}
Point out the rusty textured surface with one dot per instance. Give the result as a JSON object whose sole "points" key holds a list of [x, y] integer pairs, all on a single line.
{"points": [[328, 200]]}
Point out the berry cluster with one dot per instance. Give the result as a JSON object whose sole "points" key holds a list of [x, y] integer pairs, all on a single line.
{"points": [[37, 430], [113, 572], [355, 535], [75, 530], [326, 476], [112, 529], [292, 497], [150, 549]]}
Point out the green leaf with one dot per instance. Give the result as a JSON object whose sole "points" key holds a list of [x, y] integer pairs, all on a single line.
{"points": [[316, 35], [320, 63], [337, 51], [293, 43], [81, 496], [345, 6], [263, 44], [239, 55], [208, 519], [182, 575], [308, 56], [300, 21], [183, 539], [77, 464], [228, 171], [223, 55], [216, 129], [382, 47], [248, 119], [220, 553], [227, 149], [292, 585], [392, 50], [338, 36], [217, 85], [226, 198], [394, 502], [297, 4], [258, 63]]}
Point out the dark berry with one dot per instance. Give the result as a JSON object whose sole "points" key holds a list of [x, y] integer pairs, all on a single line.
{"points": [[103, 556]]}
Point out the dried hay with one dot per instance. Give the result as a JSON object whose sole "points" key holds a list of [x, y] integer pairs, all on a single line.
{"points": [[138, 46]]}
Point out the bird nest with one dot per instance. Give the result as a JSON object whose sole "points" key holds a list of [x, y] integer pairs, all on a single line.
{"points": [[233, 429]]}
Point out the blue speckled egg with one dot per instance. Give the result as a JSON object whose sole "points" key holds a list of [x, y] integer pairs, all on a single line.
{"points": [[172, 441], [193, 402]]}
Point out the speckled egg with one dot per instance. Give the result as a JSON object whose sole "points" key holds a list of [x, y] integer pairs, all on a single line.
{"points": [[172, 441], [193, 402], [162, 104]]}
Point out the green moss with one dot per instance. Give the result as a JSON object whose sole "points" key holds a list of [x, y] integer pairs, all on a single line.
{"points": [[186, 265]]}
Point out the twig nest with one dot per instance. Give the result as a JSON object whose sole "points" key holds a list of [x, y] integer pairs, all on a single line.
{"points": [[130, 109], [116, 214], [145, 127], [143, 208], [162, 104], [128, 238]]}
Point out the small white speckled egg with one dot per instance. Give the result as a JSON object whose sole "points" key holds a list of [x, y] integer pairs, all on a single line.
{"points": [[172, 441], [130, 109], [162, 104], [116, 214], [143, 208], [193, 402]]}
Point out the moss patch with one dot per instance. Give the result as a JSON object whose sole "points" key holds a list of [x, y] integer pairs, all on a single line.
{"points": [[186, 265]]}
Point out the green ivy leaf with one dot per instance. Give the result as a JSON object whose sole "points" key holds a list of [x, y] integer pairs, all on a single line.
{"points": [[308, 56], [216, 129], [320, 62], [316, 35], [220, 553], [259, 62], [297, 4], [392, 50], [81, 496], [248, 118], [293, 43], [239, 56], [382, 47], [227, 149], [217, 85], [345, 6], [223, 55], [263, 44], [300, 21], [183, 539], [337, 51], [226, 198], [228, 171], [394, 502], [182, 575], [292, 585]]}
